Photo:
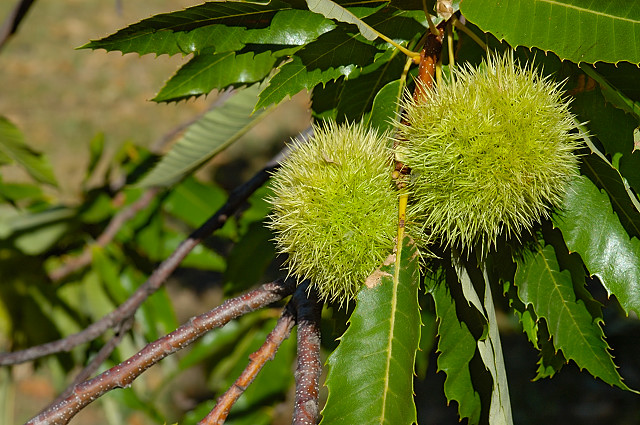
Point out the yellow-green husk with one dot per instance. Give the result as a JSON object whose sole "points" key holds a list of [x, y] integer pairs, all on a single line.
{"points": [[335, 208], [491, 152]]}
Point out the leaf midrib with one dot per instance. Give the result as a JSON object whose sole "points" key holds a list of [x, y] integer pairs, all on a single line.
{"points": [[590, 11]]}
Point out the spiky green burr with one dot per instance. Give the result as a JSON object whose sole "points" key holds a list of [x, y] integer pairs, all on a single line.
{"points": [[491, 151], [335, 209]]}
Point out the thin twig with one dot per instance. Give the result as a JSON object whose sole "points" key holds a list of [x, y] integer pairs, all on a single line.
{"points": [[125, 373], [267, 351], [153, 283], [94, 364], [13, 20], [84, 259], [306, 408]]}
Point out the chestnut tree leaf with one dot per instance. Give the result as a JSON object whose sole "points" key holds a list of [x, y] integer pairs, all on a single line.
{"points": [[370, 378], [210, 71], [219, 24], [592, 229], [456, 346], [14, 149], [332, 10], [575, 332], [210, 135], [334, 54], [578, 30]]}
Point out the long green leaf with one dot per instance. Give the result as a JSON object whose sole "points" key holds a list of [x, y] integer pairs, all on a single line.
{"points": [[210, 135], [549, 290], [370, 377], [333, 10], [13, 148], [332, 55], [489, 346], [592, 229], [210, 71], [490, 350], [219, 24], [578, 30], [456, 346]]}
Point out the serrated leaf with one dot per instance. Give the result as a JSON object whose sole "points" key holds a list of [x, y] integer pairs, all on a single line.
{"points": [[606, 177], [592, 229], [551, 360], [370, 376], [219, 24], [14, 149], [209, 71], [549, 290], [578, 30], [210, 135], [457, 346], [332, 55], [332, 10]]}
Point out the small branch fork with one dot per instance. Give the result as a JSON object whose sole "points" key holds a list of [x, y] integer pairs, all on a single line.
{"points": [[125, 373], [305, 309]]}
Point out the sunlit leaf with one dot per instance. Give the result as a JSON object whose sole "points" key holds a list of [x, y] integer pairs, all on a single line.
{"points": [[374, 362], [210, 71], [578, 30], [550, 291], [593, 230]]}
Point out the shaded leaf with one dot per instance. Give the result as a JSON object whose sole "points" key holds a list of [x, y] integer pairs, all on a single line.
{"points": [[194, 202], [14, 149], [578, 30], [385, 106], [612, 94], [592, 229], [210, 135], [457, 346], [549, 290], [374, 362], [249, 259]]}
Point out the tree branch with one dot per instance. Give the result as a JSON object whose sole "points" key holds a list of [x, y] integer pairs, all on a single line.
{"points": [[155, 281], [267, 351], [13, 20], [309, 309], [94, 364], [125, 373]]}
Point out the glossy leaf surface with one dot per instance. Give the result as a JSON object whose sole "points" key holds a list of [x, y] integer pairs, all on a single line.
{"points": [[549, 290], [578, 30], [593, 230], [370, 377]]}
